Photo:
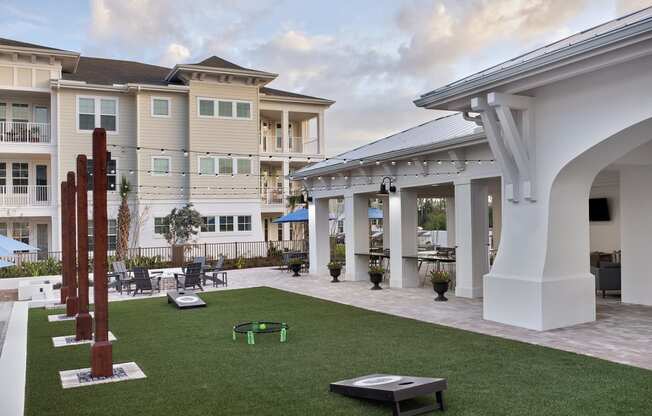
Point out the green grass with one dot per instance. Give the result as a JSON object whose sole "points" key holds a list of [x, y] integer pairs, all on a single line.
{"points": [[194, 368]]}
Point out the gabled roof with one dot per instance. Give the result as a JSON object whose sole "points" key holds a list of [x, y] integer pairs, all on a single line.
{"points": [[113, 71], [439, 132], [217, 62], [273, 92], [18, 44], [608, 33]]}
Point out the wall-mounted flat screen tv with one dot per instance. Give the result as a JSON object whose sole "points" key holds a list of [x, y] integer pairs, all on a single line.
{"points": [[599, 209]]}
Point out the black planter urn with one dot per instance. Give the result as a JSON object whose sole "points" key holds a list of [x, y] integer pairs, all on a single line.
{"points": [[376, 278], [295, 268], [441, 288], [335, 273]]}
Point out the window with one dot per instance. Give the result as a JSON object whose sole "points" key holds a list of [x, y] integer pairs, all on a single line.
{"points": [[226, 223], [20, 113], [20, 232], [160, 107], [279, 136], [207, 165], [20, 177], [161, 226], [244, 222], [206, 108], [226, 166], [161, 165], [3, 228], [208, 224], [3, 177], [225, 109], [243, 110], [244, 166], [340, 226], [111, 234], [111, 174], [97, 112], [3, 112]]}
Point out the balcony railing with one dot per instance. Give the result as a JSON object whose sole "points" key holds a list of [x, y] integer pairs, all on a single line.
{"points": [[271, 196], [25, 195], [24, 132], [295, 145]]}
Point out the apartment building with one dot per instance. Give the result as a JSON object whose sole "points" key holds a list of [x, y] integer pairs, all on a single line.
{"points": [[211, 133]]}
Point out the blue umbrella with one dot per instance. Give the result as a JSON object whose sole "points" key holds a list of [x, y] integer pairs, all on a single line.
{"points": [[8, 246], [372, 213], [300, 215]]}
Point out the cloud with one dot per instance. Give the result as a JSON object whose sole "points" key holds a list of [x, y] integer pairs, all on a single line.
{"points": [[629, 6], [372, 74]]}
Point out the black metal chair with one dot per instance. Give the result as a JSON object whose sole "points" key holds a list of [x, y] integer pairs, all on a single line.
{"points": [[216, 274], [143, 281], [190, 278]]}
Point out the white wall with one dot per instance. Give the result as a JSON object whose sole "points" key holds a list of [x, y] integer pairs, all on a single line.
{"points": [[605, 235]]}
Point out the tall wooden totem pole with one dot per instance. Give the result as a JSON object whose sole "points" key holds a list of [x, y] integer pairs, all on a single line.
{"points": [[84, 322], [68, 238], [101, 351]]}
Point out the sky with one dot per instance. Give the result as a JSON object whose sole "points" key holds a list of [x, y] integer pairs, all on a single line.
{"points": [[373, 57]]}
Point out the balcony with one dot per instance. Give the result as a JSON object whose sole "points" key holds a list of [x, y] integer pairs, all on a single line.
{"points": [[296, 145], [25, 195], [271, 196], [24, 132]]}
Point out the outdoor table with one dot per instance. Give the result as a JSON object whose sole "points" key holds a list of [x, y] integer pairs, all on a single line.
{"points": [[395, 389]]}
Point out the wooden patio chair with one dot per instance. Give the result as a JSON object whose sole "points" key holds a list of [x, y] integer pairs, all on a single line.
{"points": [[190, 278], [216, 274], [143, 281], [122, 277]]}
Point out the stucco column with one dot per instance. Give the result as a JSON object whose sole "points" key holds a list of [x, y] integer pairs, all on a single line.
{"points": [[356, 233], [321, 133], [286, 193], [636, 228], [403, 228], [318, 236], [450, 221], [472, 234], [386, 230], [285, 131], [495, 190]]}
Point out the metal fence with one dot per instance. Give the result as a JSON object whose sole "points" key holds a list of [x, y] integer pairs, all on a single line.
{"points": [[231, 251]]}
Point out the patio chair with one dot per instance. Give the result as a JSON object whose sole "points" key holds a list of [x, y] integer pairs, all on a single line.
{"points": [[143, 281], [217, 275], [191, 277], [122, 277]]}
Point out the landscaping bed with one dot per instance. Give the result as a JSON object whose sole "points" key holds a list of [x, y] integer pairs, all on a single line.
{"points": [[194, 367]]}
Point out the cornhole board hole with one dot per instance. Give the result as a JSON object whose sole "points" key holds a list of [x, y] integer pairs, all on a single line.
{"points": [[186, 300], [395, 389]]}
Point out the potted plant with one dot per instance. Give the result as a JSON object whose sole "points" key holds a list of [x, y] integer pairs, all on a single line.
{"points": [[335, 268], [295, 266], [376, 276], [440, 281]]}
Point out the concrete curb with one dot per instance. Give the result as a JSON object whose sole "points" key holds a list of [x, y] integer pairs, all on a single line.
{"points": [[13, 362]]}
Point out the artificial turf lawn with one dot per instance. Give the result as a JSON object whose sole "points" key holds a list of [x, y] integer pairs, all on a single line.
{"points": [[194, 368]]}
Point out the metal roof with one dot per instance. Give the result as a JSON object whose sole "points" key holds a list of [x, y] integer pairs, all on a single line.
{"points": [[439, 131], [595, 37]]}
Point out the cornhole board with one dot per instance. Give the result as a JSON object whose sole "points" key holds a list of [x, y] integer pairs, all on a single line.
{"points": [[395, 389], [186, 300]]}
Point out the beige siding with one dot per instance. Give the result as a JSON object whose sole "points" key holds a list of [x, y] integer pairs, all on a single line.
{"points": [[167, 133], [73, 142], [33, 99], [224, 136]]}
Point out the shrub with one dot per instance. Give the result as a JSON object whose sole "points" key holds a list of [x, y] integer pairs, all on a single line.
{"points": [[45, 267], [376, 270], [439, 276], [334, 265]]}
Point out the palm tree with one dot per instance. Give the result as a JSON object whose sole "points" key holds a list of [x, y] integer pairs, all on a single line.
{"points": [[124, 220]]}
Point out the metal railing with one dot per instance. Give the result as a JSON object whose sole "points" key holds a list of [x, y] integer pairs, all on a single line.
{"points": [[25, 195], [295, 145], [211, 251], [271, 196], [24, 132]]}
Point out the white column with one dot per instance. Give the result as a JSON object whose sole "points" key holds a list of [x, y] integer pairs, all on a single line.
{"points": [[471, 233], [403, 228], [321, 133], [356, 233], [497, 212], [286, 192], [386, 231], [55, 186], [318, 235], [285, 132], [636, 229], [450, 221]]}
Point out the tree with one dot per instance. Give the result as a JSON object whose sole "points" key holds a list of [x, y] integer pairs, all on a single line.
{"points": [[182, 224], [124, 220], [431, 214]]}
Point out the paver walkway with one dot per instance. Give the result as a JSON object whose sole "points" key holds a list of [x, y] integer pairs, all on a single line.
{"points": [[622, 333], [5, 313]]}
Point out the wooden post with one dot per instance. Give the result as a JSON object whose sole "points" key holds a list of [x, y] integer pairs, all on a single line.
{"points": [[101, 351], [72, 303], [84, 322], [64, 245]]}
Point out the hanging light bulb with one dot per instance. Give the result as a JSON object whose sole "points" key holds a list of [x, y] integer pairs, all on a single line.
{"points": [[185, 152]]}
